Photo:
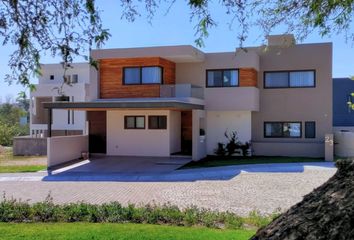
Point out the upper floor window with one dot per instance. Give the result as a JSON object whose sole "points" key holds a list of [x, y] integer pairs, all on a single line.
{"points": [[289, 79], [142, 75], [74, 78], [222, 78], [51, 77]]}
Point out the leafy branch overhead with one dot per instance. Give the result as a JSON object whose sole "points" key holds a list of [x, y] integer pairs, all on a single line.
{"points": [[69, 28]]}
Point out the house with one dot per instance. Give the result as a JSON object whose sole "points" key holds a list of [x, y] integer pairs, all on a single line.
{"points": [[343, 115], [158, 101], [65, 122]]}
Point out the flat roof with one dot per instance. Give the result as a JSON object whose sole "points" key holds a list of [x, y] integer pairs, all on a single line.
{"points": [[111, 105]]}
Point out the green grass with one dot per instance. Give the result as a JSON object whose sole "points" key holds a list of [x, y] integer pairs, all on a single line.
{"points": [[12, 164], [108, 231], [215, 161], [21, 168]]}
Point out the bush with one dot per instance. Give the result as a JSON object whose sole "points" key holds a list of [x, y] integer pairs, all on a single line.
{"points": [[12, 210], [9, 131]]}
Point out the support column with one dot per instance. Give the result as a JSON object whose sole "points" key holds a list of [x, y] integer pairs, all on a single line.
{"points": [[49, 128]]}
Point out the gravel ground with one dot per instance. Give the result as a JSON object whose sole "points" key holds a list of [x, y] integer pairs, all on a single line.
{"points": [[263, 192]]}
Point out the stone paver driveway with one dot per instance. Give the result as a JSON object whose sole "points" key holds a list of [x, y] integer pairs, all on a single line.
{"points": [[263, 188]]}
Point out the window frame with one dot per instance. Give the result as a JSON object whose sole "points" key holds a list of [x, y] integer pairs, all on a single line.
{"points": [[158, 128], [135, 127], [281, 122], [141, 76], [288, 73], [306, 136], [222, 70]]}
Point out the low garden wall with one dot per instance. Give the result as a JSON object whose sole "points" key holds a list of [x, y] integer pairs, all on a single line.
{"points": [[29, 146], [65, 149], [344, 144]]}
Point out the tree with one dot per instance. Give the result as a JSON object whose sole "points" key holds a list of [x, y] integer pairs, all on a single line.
{"points": [[69, 28]]}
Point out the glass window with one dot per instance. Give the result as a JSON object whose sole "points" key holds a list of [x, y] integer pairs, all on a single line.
{"points": [[157, 122], [282, 129], [132, 75], [289, 79], [302, 79], [74, 78], [222, 78], [310, 129], [51, 77], [151, 75], [276, 80], [134, 122]]}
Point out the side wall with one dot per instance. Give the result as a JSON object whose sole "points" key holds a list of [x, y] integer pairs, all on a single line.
{"points": [[111, 77], [65, 149], [295, 104], [141, 142], [220, 121]]}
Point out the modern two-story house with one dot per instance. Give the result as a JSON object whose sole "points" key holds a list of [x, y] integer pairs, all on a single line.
{"points": [[160, 101]]}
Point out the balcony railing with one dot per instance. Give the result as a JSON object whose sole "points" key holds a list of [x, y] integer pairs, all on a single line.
{"points": [[181, 91]]}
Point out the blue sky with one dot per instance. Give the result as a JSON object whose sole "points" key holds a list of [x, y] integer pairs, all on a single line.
{"points": [[175, 28]]}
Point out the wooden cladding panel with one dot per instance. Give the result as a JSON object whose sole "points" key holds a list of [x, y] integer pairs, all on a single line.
{"points": [[111, 77], [248, 77]]}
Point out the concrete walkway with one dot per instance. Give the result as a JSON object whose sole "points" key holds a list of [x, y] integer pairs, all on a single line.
{"points": [[240, 189]]}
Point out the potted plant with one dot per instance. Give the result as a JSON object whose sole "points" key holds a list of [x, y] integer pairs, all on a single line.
{"points": [[62, 97]]}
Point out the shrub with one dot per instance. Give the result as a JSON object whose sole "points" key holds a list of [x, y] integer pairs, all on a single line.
{"points": [[12, 210]]}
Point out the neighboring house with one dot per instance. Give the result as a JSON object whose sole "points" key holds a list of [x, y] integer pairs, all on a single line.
{"points": [[153, 101], [343, 116], [65, 122]]}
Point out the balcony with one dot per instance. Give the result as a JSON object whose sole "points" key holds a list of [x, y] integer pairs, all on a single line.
{"points": [[181, 91]]}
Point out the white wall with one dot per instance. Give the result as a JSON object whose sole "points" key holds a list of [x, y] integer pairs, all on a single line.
{"points": [[198, 145], [81, 69], [140, 142], [175, 131], [218, 122], [66, 148]]}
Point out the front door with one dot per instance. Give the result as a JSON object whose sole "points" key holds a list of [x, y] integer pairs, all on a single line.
{"points": [[97, 131], [186, 136]]}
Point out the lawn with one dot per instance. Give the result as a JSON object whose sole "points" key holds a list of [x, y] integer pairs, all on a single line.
{"points": [[216, 161], [11, 164], [107, 231]]}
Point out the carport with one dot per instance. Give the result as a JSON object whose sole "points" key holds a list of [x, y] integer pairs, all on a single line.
{"points": [[64, 149]]}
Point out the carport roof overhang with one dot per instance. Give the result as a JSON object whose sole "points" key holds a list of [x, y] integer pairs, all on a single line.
{"points": [[115, 105]]}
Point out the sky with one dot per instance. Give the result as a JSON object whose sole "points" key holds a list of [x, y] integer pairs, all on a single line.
{"points": [[175, 28]]}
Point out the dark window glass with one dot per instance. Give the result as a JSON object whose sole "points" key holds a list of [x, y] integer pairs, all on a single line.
{"points": [[151, 75], [75, 78], [289, 79], [157, 122], [132, 75], [142, 75], [51, 77], [222, 78], [134, 122], [282, 129], [310, 129]]}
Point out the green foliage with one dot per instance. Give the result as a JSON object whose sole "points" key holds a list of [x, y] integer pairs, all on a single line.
{"points": [[12, 210], [232, 146]]}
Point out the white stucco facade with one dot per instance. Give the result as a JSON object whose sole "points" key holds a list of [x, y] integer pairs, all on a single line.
{"points": [[143, 142], [218, 122]]}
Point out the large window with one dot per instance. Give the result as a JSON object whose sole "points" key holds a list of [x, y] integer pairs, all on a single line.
{"points": [[282, 129], [157, 122], [222, 78], [142, 75], [290, 79], [134, 122], [310, 129]]}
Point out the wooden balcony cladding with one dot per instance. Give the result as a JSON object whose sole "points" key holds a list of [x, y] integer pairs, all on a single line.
{"points": [[248, 77], [111, 77]]}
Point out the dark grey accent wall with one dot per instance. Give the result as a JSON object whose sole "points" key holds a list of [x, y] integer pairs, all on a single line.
{"points": [[342, 87]]}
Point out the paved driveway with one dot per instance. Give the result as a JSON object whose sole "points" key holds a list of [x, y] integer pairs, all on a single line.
{"points": [[240, 189], [125, 165]]}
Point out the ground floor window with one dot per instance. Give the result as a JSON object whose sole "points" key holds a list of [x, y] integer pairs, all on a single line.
{"points": [[282, 129], [310, 129], [157, 122], [134, 122]]}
